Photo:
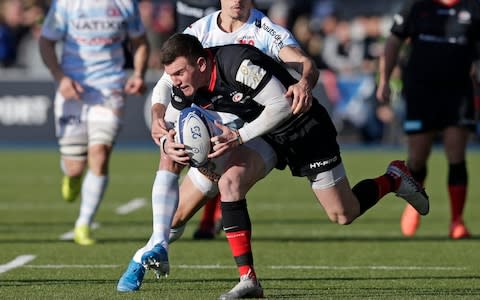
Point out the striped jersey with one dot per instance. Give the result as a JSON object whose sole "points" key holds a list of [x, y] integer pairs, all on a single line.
{"points": [[92, 32]]}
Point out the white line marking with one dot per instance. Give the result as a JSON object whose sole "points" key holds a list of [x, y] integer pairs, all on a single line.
{"points": [[131, 206], [72, 266], [68, 236], [17, 262], [387, 268], [393, 268]]}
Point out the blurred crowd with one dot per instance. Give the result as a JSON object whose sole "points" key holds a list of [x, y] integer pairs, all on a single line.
{"points": [[344, 40]]}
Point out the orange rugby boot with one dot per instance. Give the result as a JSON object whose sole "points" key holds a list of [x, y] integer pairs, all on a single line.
{"points": [[410, 221]]}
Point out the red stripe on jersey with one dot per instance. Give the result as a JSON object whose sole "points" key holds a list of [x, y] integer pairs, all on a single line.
{"points": [[213, 75]]}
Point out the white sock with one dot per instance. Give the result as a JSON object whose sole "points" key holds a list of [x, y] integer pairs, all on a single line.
{"points": [[165, 194], [93, 188], [148, 246]]}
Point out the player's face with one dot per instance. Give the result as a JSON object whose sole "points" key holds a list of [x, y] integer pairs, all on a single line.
{"points": [[237, 9], [184, 75]]}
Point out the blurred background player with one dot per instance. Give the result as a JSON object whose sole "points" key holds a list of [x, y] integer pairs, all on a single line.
{"points": [[438, 91], [91, 91], [238, 22]]}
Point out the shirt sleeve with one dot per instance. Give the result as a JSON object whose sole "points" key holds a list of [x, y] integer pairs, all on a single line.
{"points": [[55, 24], [277, 109], [402, 20]]}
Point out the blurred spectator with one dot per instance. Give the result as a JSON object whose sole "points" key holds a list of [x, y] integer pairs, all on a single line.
{"points": [[279, 12], [13, 27], [28, 56], [159, 19], [188, 11]]}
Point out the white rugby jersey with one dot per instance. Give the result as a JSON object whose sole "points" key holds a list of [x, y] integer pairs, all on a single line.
{"points": [[92, 32], [258, 31]]}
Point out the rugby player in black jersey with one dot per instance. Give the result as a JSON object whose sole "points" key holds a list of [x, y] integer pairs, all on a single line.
{"points": [[240, 79], [438, 91]]}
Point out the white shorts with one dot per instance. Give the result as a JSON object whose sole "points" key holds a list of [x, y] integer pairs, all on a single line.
{"points": [[85, 122], [328, 178]]}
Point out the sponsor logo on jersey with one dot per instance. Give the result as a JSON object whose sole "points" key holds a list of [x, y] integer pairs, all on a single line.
{"points": [[250, 74], [464, 17], [278, 37], [237, 97], [98, 25]]}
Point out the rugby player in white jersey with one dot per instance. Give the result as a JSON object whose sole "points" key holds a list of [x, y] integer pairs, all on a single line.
{"points": [[91, 88], [236, 23]]}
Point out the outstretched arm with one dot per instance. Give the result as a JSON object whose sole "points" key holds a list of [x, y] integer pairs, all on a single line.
{"points": [[301, 92]]}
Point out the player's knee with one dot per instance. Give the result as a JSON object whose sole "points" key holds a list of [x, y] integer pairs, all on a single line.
{"points": [[229, 186], [341, 218]]}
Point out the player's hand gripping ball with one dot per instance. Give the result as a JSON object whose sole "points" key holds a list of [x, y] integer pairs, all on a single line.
{"points": [[194, 131]]}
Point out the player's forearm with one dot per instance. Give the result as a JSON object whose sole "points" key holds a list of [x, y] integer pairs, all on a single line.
{"points": [[277, 110], [162, 91], [301, 63], [309, 73], [158, 111], [389, 59], [140, 58], [49, 57]]}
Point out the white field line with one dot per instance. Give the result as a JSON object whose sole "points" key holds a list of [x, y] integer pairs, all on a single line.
{"points": [[386, 268], [68, 236], [131, 206], [17, 262]]}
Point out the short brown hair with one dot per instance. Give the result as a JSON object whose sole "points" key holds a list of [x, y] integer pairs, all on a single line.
{"points": [[181, 44]]}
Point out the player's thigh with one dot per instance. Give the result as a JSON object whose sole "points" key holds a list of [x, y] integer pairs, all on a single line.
{"points": [[246, 166], [195, 190], [71, 127]]}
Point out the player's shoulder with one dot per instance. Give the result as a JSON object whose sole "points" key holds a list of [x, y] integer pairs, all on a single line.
{"points": [[262, 21], [203, 25]]}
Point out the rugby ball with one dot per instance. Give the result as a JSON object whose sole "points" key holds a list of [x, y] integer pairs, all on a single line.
{"points": [[194, 131]]}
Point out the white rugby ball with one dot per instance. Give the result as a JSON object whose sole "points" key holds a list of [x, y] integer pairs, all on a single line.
{"points": [[193, 130]]}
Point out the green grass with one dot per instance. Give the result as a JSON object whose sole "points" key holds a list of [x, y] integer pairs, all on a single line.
{"points": [[299, 254]]}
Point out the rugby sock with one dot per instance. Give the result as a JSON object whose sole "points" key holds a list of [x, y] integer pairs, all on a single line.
{"points": [[367, 192], [218, 209], [208, 217], [93, 188], [165, 194], [457, 188], [238, 230]]}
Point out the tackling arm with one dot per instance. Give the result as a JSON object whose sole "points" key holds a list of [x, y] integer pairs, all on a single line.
{"points": [[300, 92]]}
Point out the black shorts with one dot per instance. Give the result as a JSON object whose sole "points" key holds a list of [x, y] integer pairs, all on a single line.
{"points": [[308, 144], [435, 107]]}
